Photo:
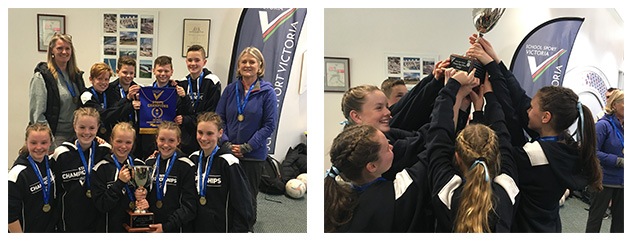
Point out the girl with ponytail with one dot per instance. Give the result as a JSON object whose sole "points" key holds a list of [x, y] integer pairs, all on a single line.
{"points": [[468, 192], [365, 201], [553, 161]]}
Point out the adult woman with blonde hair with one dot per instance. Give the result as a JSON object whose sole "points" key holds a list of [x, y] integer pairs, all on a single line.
{"points": [[609, 131], [248, 108], [55, 89]]}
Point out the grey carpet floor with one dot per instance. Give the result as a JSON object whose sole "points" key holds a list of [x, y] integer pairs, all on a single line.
{"points": [[281, 214], [574, 216]]}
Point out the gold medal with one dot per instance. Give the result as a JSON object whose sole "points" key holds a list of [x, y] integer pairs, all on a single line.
{"points": [[46, 208], [240, 117], [159, 204], [203, 201], [102, 130], [89, 194], [132, 205]]}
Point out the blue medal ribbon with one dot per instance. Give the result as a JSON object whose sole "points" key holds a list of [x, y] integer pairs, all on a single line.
{"points": [[242, 106], [118, 166], [198, 89], [87, 165], [105, 101], [70, 88], [549, 138], [203, 177], [45, 187], [161, 185], [123, 96], [363, 187], [616, 130]]}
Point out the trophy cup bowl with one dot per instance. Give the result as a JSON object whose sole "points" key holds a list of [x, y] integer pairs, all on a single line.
{"points": [[140, 219], [484, 20]]}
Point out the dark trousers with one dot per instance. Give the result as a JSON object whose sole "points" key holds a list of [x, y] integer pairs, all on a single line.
{"points": [[598, 205], [253, 169]]}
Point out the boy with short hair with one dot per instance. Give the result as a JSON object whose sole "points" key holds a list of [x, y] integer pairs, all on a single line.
{"points": [[394, 89], [110, 109], [163, 69], [124, 86], [203, 88]]}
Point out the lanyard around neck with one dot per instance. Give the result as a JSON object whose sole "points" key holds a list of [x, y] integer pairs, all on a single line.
{"points": [[161, 185], [616, 130], [46, 187], [118, 167], [87, 165], [203, 177], [105, 101], [242, 106], [68, 85], [199, 83]]}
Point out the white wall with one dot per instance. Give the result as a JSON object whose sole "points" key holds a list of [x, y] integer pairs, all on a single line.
{"points": [[365, 35], [85, 27]]}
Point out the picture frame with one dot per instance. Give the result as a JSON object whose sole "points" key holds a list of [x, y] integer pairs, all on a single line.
{"points": [[337, 74], [47, 25], [196, 31], [410, 67]]}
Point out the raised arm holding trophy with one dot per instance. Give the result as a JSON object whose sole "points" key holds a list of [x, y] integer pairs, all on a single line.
{"points": [[484, 20]]}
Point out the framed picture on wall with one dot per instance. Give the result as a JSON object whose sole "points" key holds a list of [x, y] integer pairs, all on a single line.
{"points": [[47, 26], [131, 34], [409, 67], [336, 74], [196, 31]]}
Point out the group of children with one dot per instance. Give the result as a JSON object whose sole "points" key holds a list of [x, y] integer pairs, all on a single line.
{"points": [[86, 185], [422, 165]]}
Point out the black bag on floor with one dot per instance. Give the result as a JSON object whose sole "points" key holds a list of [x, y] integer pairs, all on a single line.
{"points": [[271, 182], [295, 162]]}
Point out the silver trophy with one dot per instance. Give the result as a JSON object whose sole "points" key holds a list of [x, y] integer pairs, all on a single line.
{"points": [[140, 219], [484, 20], [141, 176]]}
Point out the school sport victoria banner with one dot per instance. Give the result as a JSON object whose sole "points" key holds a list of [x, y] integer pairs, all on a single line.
{"points": [[275, 32], [156, 105], [542, 57]]}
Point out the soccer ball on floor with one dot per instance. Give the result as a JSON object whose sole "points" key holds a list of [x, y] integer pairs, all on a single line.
{"points": [[303, 178], [295, 188]]}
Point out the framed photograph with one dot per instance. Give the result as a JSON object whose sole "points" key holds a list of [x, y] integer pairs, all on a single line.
{"points": [[337, 74], [196, 31], [409, 67], [47, 25]]}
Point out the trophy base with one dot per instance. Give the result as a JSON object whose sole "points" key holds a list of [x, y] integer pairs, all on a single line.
{"points": [[466, 63], [139, 222], [462, 63], [138, 230]]}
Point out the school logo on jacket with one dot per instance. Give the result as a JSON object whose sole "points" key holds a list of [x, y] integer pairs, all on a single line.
{"points": [[37, 186], [78, 173]]}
